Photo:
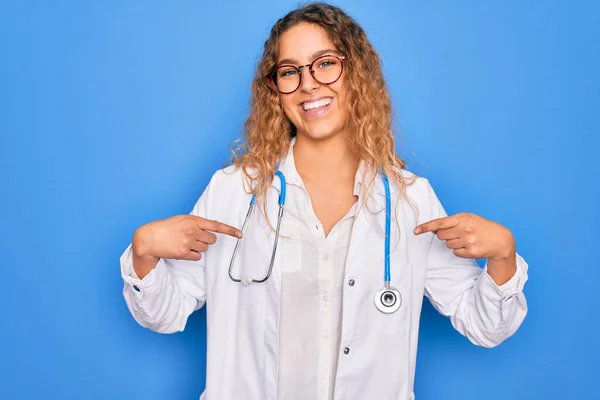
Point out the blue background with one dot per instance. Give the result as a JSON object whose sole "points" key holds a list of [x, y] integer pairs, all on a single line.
{"points": [[116, 113]]}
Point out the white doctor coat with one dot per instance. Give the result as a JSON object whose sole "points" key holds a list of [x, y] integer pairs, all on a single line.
{"points": [[377, 351]]}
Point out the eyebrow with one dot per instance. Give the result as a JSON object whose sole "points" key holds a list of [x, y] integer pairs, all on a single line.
{"points": [[315, 55]]}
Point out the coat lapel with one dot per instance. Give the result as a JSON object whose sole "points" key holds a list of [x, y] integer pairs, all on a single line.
{"points": [[273, 299]]}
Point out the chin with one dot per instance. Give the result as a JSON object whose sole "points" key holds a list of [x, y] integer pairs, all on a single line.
{"points": [[321, 132]]}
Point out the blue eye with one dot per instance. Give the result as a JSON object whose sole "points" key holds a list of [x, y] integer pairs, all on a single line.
{"points": [[287, 73], [327, 63]]}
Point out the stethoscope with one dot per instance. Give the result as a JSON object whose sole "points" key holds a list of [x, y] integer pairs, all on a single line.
{"points": [[387, 299]]}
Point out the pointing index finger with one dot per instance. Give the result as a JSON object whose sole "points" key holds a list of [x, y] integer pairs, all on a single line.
{"points": [[219, 227], [436, 224]]}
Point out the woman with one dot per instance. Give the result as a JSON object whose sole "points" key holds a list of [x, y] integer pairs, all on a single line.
{"points": [[306, 314]]}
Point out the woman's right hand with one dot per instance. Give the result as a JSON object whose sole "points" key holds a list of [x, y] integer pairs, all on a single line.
{"points": [[183, 237]]}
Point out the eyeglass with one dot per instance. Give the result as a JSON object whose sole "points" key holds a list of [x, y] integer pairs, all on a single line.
{"points": [[326, 70]]}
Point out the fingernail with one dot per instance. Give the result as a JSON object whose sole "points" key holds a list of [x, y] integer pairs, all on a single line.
{"points": [[417, 231], [239, 234]]}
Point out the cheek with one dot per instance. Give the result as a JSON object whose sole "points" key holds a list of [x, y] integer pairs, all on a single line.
{"points": [[341, 93], [287, 103]]}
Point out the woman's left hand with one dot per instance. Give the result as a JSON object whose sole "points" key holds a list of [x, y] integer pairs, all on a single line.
{"points": [[472, 236]]}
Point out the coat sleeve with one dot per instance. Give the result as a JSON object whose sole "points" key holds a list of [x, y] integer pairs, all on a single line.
{"points": [[487, 314], [172, 291]]}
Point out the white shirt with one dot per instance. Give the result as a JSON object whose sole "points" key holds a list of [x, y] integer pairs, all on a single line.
{"points": [[311, 305], [312, 331]]}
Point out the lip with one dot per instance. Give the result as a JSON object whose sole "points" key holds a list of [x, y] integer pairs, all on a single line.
{"points": [[314, 113]]}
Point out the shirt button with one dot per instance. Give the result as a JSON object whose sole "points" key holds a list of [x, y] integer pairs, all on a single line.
{"points": [[325, 297], [325, 256], [351, 282], [346, 350]]}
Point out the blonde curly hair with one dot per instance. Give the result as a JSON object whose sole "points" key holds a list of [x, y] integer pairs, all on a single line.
{"points": [[267, 130]]}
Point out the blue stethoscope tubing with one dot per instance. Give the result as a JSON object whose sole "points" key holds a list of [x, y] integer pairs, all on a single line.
{"points": [[387, 299], [388, 220]]}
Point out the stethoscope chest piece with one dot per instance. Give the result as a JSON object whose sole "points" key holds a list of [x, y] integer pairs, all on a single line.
{"points": [[388, 300]]}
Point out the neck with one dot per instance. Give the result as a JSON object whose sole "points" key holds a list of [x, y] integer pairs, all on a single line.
{"points": [[324, 158]]}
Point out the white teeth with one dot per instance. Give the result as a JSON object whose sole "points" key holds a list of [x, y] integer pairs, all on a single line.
{"points": [[316, 104]]}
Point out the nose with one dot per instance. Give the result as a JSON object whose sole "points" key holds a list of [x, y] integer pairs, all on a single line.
{"points": [[308, 83]]}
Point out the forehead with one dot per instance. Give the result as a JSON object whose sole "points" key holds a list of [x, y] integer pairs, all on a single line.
{"points": [[303, 40]]}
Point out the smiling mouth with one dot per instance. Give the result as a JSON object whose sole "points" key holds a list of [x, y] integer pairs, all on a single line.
{"points": [[315, 105]]}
